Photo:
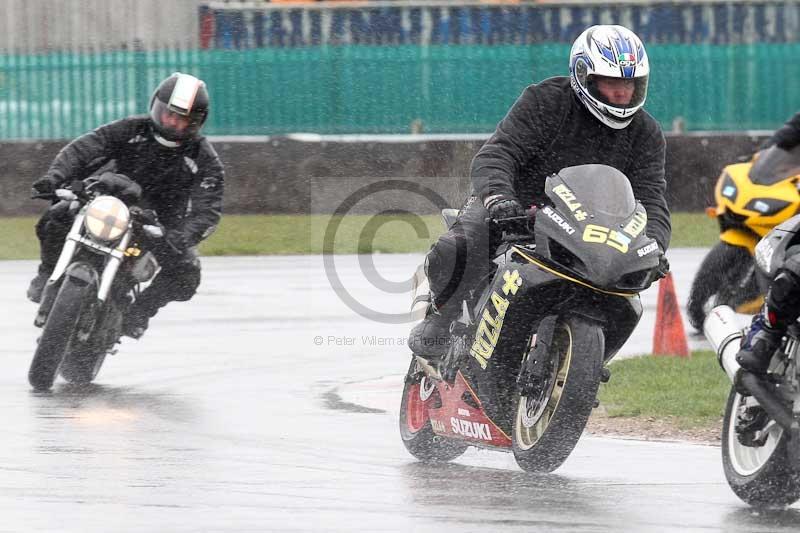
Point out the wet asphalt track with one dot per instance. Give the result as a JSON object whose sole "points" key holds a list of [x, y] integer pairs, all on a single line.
{"points": [[230, 416]]}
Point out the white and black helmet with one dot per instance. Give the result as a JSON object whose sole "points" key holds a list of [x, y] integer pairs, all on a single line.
{"points": [[613, 52], [182, 94]]}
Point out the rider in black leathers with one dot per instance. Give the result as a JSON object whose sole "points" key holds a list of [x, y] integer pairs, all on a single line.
{"points": [[181, 178], [782, 303], [592, 116]]}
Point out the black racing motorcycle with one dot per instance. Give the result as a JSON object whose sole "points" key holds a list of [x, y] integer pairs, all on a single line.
{"points": [[529, 351], [102, 264], [761, 426]]}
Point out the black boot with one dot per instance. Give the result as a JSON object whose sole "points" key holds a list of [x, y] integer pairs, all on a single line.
{"points": [[758, 346], [137, 319], [431, 337], [36, 288]]}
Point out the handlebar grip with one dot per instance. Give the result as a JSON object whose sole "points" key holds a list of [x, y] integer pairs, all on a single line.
{"points": [[529, 216]]}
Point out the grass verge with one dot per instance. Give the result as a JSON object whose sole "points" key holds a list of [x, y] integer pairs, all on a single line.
{"points": [[303, 234], [691, 392]]}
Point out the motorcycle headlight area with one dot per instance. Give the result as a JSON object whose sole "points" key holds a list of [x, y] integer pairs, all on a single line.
{"points": [[107, 218]]}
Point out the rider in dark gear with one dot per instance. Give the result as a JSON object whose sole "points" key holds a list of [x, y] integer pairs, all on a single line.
{"points": [[592, 116], [780, 309], [181, 178], [788, 136], [781, 303]]}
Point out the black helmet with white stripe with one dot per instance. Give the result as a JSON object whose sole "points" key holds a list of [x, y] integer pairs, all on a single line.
{"points": [[178, 108]]}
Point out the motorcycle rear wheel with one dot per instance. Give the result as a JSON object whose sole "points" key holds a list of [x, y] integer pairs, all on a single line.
{"points": [[419, 395], [761, 476], [718, 281], [57, 334], [547, 427]]}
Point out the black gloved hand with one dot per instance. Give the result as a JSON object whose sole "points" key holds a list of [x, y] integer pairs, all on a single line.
{"points": [[149, 216], [44, 185], [144, 216], [500, 206], [663, 267], [176, 240]]}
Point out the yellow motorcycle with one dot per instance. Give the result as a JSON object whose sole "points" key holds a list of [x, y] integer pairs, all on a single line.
{"points": [[752, 198]]}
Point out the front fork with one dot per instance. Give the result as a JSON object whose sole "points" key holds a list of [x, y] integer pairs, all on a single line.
{"points": [[75, 237]]}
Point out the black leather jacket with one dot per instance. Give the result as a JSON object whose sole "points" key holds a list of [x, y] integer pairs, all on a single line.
{"points": [[184, 185], [548, 129]]}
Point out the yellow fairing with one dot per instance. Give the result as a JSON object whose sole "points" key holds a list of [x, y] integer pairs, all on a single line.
{"points": [[747, 191], [737, 237], [751, 307]]}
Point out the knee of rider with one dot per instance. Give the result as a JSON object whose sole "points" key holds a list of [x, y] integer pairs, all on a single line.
{"points": [[184, 280], [190, 283], [440, 261], [41, 226], [52, 222]]}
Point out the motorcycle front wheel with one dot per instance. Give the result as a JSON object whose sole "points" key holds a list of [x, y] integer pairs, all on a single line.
{"points": [[548, 424], [419, 395], [722, 279], [57, 334], [82, 364], [762, 476]]}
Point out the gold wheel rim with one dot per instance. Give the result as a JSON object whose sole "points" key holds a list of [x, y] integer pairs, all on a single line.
{"points": [[533, 417]]}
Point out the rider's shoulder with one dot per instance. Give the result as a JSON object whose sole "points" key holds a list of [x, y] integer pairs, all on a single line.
{"points": [[644, 126], [551, 89], [204, 147], [130, 122]]}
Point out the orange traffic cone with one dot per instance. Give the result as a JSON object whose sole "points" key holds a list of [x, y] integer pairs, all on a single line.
{"points": [[669, 337]]}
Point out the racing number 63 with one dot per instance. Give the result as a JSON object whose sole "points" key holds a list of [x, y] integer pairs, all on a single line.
{"points": [[600, 234]]}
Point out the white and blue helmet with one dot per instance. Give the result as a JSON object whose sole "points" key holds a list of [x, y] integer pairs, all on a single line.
{"points": [[613, 52]]}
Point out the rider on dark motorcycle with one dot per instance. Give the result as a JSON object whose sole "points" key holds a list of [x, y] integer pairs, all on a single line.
{"points": [[780, 309], [781, 303], [181, 179], [592, 116]]}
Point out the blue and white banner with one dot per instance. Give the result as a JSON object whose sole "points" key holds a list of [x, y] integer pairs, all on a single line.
{"points": [[260, 25]]}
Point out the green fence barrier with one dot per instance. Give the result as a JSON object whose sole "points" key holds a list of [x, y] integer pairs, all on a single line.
{"points": [[374, 89]]}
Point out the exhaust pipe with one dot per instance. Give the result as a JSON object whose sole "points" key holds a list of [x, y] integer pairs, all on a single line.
{"points": [[722, 330]]}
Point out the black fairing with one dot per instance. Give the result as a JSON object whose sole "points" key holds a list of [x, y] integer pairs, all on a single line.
{"points": [[774, 165], [594, 229], [541, 293], [771, 250], [571, 271]]}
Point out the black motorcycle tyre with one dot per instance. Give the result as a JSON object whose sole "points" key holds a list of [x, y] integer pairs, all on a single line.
{"points": [[776, 483], [719, 277], [423, 443], [82, 364], [577, 354], [57, 334]]}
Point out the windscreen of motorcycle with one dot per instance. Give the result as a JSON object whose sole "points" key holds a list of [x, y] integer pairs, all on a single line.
{"points": [[774, 165], [598, 228], [603, 189], [107, 218]]}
